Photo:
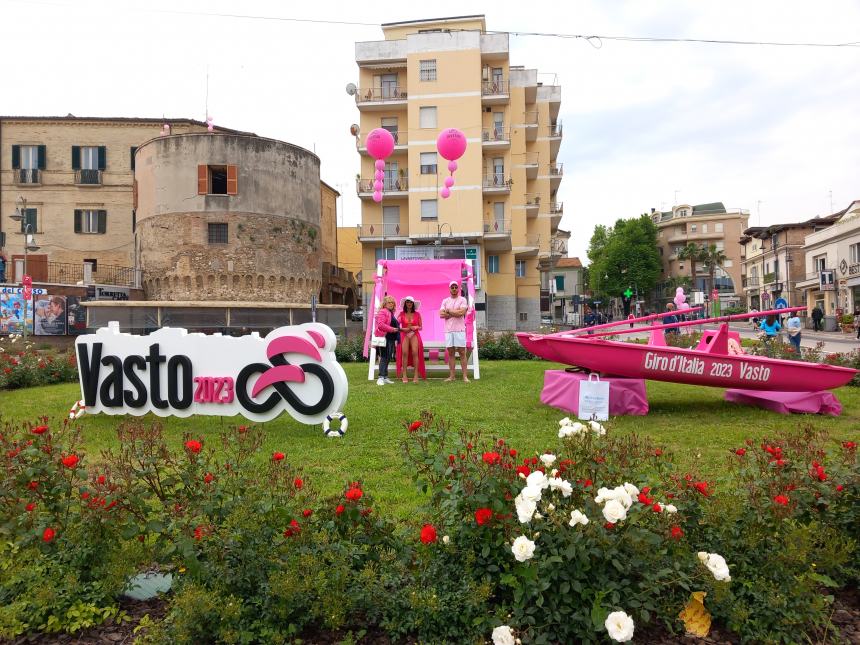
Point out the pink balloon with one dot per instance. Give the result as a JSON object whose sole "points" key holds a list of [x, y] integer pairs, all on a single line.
{"points": [[379, 174], [452, 166], [377, 196], [451, 144], [380, 143], [380, 164], [449, 181], [378, 185], [445, 192]]}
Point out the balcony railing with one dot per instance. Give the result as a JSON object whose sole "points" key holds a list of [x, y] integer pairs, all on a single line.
{"points": [[556, 208], [400, 139], [495, 134], [382, 230], [750, 283], [69, 273], [88, 177], [555, 129], [556, 169], [497, 180], [495, 86], [384, 93], [497, 227], [389, 184], [27, 176], [532, 199]]}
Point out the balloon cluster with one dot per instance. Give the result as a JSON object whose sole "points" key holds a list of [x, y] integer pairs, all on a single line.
{"points": [[451, 144], [380, 144], [681, 299], [209, 122]]}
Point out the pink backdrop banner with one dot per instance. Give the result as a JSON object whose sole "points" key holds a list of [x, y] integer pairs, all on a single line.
{"points": [[627, 396], [427, 281], [822, 402]]}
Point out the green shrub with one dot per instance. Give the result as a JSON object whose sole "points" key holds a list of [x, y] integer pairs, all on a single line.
{"points": [[23, 366]]}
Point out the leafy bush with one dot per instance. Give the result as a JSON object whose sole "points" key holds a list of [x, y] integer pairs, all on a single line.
{"points": [[502, 347], [349, 350], [23, 366]]}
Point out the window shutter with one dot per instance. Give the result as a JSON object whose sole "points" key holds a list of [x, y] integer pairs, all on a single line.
{"points": [[30, 218], [16, 157], [133, 221], [76, 157], [78, 216], [43, 155], [133, 150], [232, 180], [102, 157], [134, 194], [102, 221], [202, 179]]}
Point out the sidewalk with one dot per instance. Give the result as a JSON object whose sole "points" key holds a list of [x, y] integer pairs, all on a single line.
{"points": [[834, 341]]}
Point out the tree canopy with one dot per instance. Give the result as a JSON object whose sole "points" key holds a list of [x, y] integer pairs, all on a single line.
{"points": [[624, 255]]}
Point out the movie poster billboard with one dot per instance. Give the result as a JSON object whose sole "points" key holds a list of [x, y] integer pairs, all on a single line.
{"points": [[76, 316], [50, 315], [13, 309]]}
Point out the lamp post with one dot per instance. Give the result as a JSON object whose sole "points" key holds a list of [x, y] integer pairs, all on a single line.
{"points": [[29, 245]]}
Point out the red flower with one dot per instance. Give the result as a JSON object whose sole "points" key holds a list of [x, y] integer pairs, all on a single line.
{"points": [[512, 452], [782, 500], [340, 509], [354, 494], [587, 483], [48, 534], [414, 426], [366, 511], [208, 477], [199, 532], [298, 483], [428, 534], [849, 445], [839, 487], [644, 499], [101, 479], [242, 429], [609, 526], [523, 470], [657, 508], [491, 458], [702, 487], [658, 452], [307, 512], [39, 430], [500, 443], [688, 477], [646, 489], [677, 533], [294, 529], [71, 461], [740, 452], [483, 515], [780, 463], [85, 495], [33, 485], [29, 507], [193, 446], [452, 458], [277, 456]]}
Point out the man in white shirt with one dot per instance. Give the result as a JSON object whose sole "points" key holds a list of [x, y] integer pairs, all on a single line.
{"points": [[453, 311]]}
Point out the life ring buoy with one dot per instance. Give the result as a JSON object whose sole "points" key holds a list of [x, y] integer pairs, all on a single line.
{"points": [[77, 410], [340, 430]]}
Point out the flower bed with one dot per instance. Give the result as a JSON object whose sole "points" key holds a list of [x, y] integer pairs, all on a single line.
{"points": [[22, 365], [597, 537]]}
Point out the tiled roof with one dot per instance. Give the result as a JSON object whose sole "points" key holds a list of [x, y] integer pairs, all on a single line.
{"points": [[568, 263]]}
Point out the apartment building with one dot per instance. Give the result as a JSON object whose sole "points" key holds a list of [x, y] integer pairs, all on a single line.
{"points": [[703, 225], [503, 214]]}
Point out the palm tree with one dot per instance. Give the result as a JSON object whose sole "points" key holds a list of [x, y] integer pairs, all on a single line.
{"points": [[694, 253], [713, 258]]}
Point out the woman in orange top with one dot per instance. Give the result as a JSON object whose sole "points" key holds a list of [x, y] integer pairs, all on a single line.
{"points": [[411, 348]]}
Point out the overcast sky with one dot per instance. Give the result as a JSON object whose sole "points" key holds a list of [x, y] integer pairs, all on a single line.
{"points": [[771, 129]]}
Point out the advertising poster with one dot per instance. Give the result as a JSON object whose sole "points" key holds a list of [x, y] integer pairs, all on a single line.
{"points": [[50, 315], [12, 311], [76, 316]]}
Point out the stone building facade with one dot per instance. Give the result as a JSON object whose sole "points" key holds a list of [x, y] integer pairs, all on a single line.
{"points": [[227, 217]]}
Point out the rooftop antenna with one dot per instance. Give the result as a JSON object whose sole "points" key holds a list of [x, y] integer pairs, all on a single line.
{"points": [[676, 197], [207, 92], [831, 202], [758, 213]]}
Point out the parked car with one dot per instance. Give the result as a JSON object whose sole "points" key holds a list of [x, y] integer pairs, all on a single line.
{"points": [[546, 320], [357, 315]]}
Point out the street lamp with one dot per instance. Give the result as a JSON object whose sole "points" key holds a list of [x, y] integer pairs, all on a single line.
{"points": [[29, 245]]}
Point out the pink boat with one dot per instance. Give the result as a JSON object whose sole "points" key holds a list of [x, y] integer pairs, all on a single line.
{"points": [[717, 360]]}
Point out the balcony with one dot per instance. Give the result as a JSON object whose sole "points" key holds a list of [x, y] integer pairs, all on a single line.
{"points": [[380, 52], [88, 177], [530, 248], [380, 98], [750, 283], [400, 143], [555, 173], [532, 204], [27, 176], [497, 235], [387, 231], [552, 95], [494, 47], [495, 139], [73, 274], [495, 92], [530, 164], [392, 187], [556, 211], [554, 139], [531, 126], [497, 184]]}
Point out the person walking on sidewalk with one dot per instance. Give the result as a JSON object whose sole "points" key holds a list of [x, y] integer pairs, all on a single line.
{"points": [[817, 317]]}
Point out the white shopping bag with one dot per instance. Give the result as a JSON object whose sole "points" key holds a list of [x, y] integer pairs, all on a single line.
{"points": [[594, 399]]}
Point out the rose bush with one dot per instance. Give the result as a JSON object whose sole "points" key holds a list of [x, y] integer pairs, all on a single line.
{"points": [[22, 365]]}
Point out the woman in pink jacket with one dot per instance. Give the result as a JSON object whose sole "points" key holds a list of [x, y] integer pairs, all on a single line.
{"points": [[386, 326]]}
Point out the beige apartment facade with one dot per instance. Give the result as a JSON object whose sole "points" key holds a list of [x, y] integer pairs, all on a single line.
{"points": [[703, 225], [428, 75]]}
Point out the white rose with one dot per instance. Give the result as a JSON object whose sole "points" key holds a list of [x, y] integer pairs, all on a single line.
{"points": [[619, 626], [446, 539], [603, 494], [523, 548], [525, 509], [571, 430], [565, 422], [559, 484], [621, 494], [547, 459], [538, 516], [614, 511], [503, 635], [703, 557], [537, 479], [564, 431], [550, 507], [554, 472], [596, 428], [631, 489], [577, 517], [531, 493], [717, 566], [670, 508]]}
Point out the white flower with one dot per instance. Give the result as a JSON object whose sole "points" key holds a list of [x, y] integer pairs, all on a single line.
{"points": [[716, 565], [565, 422], [619, 626], [571, 430], [503, 635], [554, 472], [550, 507], [614, 511], [597, 429], [631, 489], [523, 548], [670, 508], [538, 516], [562, 485], [525, 509], [531, 493], [537, 479], [577, 517], [547, 459], [603, 494], [446, 539]]}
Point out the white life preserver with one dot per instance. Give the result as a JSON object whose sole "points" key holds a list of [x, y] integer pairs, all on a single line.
{"points": [[341, 430], [77, 410]]}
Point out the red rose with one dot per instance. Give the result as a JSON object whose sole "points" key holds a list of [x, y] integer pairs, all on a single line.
{"points": [[657, 508], [71, 461], [340, 509], [198, 533], [740, 452], [307, 512], [780, 463], [677, 533], [366, 511], [483, 515], [782, 500], [101, 479], [29, 508], [491, 458], [609, 526], [277, 456], [242, 429], [452, 458], [512, 452], [702, 487], [354, 494], [48, 534], [500, 443], [39, 430], [849, 445], [208, 477], [644, 499], [428, 534], [414, 426], [85, 495], [33, 485], [839, 487], [193, 446], [523, 470], [298, 483], [587, 483], [658, 452]]}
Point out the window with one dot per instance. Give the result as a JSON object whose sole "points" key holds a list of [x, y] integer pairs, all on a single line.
{"points": [[28, 157], [721, 246], [704, 228], [217, 180], [133, 150], [428, 163], [693, 228], [492, 264], [559, 283], [820, 263], [90, 221], [388, 85], [217, 233], [31, 219], [521, 269], [523, 316], [499, 214], [390, 220], [89, 158], [718, 227], [854, 253], [427, 117], [385, 254], [427, 70], [429, 209], [390, 123], [88, 162]]}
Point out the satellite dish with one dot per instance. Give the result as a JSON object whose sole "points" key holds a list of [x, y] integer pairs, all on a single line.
{"points": [[351, 89], [354, 130]]}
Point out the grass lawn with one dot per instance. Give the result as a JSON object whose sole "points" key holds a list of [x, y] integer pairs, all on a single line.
{"points": [[692, 421]]}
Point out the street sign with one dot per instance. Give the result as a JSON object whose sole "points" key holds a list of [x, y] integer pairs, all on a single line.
{"points": [[628, 293], [471, 254], [780, 303], [27, 281]]}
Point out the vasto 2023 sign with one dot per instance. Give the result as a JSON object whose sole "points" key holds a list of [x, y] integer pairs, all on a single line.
{"points": [[173, 373]]}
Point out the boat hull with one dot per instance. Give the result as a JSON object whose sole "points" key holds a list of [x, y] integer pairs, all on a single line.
{"points": [[677, 365]]}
